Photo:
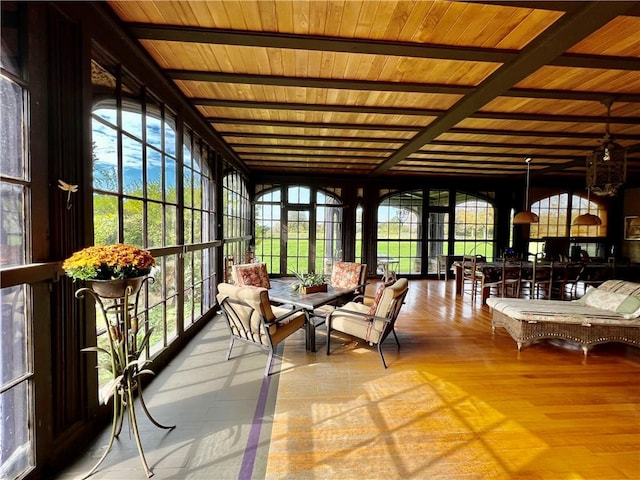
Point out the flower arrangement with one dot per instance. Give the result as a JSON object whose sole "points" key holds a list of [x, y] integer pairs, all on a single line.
{"points": [[109, 262]]}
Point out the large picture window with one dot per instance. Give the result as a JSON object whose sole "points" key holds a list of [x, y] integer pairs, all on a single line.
{"points": [[151, 191], [474, 226], [557, 213], [399, 236], [298, 229]]}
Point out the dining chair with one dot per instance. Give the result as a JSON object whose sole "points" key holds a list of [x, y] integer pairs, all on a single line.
{"points": [[253, 320], [511, 272], [371, 323], [470, 275], [574, 272], [537, 279]]}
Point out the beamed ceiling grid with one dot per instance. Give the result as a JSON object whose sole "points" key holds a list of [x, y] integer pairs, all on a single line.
{"points": [[394, 88]]}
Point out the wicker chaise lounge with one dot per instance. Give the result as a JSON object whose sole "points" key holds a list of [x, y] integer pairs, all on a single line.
{"points": [[610, 313]]}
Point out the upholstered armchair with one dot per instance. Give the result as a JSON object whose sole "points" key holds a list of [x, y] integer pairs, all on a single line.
{"points": [[346, 275], [253, 320], [371, 323]]}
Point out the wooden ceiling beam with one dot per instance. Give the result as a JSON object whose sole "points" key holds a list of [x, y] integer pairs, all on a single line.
{"points": [[563, 34], [322, 83], [270, 146], [334, 126], [336, 138], [463, 154], [372, 85], [537, 146], [170, 33], [246, 38], [488, 145], [536, 117], [537, 133], [462, 131]]}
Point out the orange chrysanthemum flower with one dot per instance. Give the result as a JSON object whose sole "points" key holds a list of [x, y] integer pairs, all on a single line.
{"points": [[107, 262]]}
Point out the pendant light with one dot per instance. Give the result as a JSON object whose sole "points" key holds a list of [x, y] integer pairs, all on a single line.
{"points": [[587, 219], [607, 165], [526, 216]]}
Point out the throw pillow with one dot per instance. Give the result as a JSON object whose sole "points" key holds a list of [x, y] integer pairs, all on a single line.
{"points": [[609, 301], [629, 305], [376, 300], [345, 274], [583, 300], [254, 274]]}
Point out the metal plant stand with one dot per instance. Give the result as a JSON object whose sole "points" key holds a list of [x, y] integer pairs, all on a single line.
{"points": [[120, 314]]}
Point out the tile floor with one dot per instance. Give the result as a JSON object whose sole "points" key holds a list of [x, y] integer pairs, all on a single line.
{"points": [[213, 403]]}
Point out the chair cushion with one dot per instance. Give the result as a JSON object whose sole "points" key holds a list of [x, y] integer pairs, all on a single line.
{"points": [[346, 274], [254, 274], [389, 294], [356, 323], [256, 297]]}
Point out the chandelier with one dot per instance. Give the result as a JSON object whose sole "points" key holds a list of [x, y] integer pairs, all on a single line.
{"points": [[607, 165]]}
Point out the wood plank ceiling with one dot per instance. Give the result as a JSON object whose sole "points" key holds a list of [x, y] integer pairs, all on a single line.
{"points": [[370, 88]]}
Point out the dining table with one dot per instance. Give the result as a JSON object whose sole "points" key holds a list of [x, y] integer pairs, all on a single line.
{"points": [[283, 291], [594, 272]]}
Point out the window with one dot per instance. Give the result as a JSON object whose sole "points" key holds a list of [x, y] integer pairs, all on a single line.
{"points": [[141, 176], [298, 228], [557, 212], [16, 369], [236, 218], [474, 226], [400, 230], [267, 225], [199, 228], [328, 232], [437, 227]]}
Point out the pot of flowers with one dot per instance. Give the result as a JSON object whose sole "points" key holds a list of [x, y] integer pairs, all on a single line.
{"points": [[110, 269], [310, 282], [114, 275]]}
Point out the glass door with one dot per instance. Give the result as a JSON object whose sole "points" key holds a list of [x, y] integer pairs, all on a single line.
{"points": [[297, 238]]}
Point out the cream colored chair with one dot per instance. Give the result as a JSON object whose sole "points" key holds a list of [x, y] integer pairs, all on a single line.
{"points": [[252, 319], [347, 275], [372, 323]]}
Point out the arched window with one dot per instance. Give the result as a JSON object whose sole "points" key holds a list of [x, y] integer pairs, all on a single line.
{"points": [[474, 226], [557, 213], [298, 228]]}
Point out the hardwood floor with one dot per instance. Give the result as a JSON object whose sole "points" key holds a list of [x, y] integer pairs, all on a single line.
{"points": [[456, 402]]}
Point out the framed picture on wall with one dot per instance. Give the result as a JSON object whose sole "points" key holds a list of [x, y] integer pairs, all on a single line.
{"points": [[632, 228]]}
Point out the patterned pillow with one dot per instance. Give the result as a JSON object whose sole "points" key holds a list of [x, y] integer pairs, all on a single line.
{"points": [[346, 274], [252, 274], [609, 301], [376, 300]]}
